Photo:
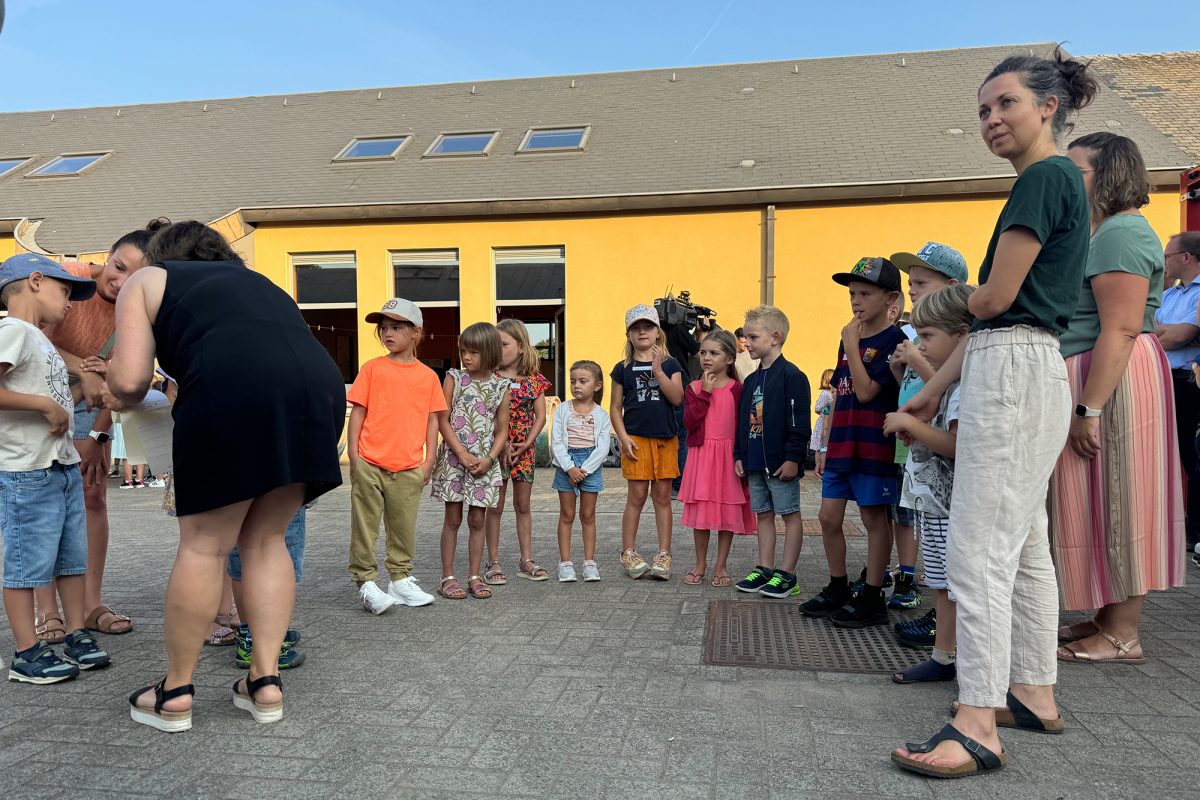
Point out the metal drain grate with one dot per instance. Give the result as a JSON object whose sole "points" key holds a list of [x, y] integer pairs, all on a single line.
{"points": [[776, 635]]}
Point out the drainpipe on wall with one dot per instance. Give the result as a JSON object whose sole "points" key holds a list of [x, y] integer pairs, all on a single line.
{"points": [[767, 282]]}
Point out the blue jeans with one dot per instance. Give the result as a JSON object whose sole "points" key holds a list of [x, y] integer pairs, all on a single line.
{"points": [[43, 524], [293, 538], [592, 483], [768, 493]]}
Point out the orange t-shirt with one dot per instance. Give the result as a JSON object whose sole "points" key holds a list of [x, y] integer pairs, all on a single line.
{"points": [[399, 399], [89, 324]]}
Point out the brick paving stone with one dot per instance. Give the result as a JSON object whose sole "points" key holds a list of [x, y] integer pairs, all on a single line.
{"points": [[575, 690]]}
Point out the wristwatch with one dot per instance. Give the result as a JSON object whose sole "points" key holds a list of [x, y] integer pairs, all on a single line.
{"points": [[99, 436], [1083, 411]]}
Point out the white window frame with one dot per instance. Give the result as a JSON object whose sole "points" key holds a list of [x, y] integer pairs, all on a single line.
{"points": [[432, 252], [404, 138], [524, 147], [524, 255], [333, 258], [487, 149], [100, 156], [21, 162]]}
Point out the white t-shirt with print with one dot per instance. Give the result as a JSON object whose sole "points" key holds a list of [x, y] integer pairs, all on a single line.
{"points": [[928, 477], [36, 368]]}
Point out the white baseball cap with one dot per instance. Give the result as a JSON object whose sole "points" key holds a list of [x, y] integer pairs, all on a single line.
{"points": [[400, 309]]}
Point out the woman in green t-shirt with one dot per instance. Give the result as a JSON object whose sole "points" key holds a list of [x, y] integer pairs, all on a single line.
{"points": [[1116, 506], [1013, 421]]}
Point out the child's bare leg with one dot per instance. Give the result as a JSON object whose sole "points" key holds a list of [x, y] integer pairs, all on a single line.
{"points": [[660, 493], [832, 517], [494, 518], [766, 539], [587, 518], [700, 537], [476, 516], [793, 541], [721, 565], [46, 600], [18, 605], [906, 545], [71, 591], [631, 518], [946, 633], [879, 542], [522, 490], [566, 521], [450, 525]]}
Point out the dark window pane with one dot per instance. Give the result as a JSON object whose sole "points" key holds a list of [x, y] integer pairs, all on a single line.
{"points": [[373, 148], [545, 140], [426, 283], [331, 283], [463, 143], [529, 281]]}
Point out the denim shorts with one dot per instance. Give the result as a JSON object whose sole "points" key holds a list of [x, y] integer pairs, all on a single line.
{"points": [[84, 420], [900, 514], [866, 490], [768, 493], [43, 524], [592, 483], [293, 538]]}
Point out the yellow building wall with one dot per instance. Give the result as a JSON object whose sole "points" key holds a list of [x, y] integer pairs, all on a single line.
{"points": [[612, 263], [8, 247]]}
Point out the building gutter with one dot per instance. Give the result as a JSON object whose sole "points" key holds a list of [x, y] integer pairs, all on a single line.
{"points": [[1160, 178]]}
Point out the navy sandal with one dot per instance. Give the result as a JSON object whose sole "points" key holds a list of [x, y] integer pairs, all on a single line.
{"points": [[981, 759], [166, 721], [262, 712], [926, 671], [1018, 716]]}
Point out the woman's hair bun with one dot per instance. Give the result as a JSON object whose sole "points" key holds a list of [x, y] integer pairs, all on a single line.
{"points": [[157, 224], [1079, 78]]}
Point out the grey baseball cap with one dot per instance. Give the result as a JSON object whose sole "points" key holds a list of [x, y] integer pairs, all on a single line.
{"points": [[20, 267]]}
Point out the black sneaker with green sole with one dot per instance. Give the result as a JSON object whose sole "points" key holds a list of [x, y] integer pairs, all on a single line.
{"points": [[756, 580]]}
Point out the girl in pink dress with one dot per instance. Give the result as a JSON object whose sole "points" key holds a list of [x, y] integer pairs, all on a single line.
{"points": [[713, 496]]}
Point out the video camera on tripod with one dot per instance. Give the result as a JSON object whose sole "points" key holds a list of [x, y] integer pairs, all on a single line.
{"points": [[673, 311]]}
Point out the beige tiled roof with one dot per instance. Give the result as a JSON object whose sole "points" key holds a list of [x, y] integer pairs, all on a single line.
{"points": [[861, 119], [1164, 87]]}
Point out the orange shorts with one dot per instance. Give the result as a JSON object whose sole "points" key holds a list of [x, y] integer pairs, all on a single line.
{"points": [[657, 459]]}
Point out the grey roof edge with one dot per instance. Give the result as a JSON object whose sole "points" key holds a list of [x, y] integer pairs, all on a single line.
{"points": [[1160, 177], [549, 76]]}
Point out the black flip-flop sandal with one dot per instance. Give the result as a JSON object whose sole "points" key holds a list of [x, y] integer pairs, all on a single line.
{"points": [[1018, 716], [926, 671], [165, 721], [981, 758]]}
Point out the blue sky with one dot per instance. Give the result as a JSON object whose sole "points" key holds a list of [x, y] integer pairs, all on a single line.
{"points": [[67, 53]]}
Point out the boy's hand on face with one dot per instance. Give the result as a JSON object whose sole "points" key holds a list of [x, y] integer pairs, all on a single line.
{"points": [[787, 471], [852, 333]]}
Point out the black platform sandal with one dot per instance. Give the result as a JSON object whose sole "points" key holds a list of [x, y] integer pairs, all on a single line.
{"points": [[262, 712], [166, 721], [981, 758]]}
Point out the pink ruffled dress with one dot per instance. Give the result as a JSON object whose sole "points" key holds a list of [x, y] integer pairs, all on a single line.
{"points": [[714, 497]]}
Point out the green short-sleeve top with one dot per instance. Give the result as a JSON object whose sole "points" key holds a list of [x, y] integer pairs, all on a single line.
{"points": [[1049, 199], [1122, 243]]}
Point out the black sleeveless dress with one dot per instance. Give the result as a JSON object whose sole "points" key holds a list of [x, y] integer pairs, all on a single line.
{"points": [[261, 404]]}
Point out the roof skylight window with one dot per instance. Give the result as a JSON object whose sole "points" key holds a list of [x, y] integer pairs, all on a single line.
{"points": [[463, 144], [7, 165], [378, 147], [539, 140], [70, 164]]}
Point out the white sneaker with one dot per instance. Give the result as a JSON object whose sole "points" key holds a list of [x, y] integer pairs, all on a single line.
{"points": [[409, 593], [566, 572], [591, 572], [375, 599]]}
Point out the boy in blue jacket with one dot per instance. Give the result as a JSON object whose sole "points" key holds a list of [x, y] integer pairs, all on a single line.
{"points": [[772, 440]]}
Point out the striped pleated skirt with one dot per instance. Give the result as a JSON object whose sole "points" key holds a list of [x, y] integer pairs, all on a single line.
{"points": [[1116, 521]]}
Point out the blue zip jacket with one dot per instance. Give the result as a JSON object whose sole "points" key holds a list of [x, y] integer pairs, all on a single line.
{"points": [[786, 425]]}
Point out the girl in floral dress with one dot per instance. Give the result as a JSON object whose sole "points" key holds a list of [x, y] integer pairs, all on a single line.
{"points": [[474, 436], [527, 388]]}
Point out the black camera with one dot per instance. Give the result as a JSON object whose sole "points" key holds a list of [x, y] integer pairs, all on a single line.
{"points": [[681, 310]]}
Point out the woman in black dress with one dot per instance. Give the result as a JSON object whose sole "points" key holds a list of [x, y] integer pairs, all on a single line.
{"points": [[252, 382]]}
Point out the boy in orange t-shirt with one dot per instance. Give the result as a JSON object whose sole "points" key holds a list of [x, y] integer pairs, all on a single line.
{"points": [[392, 442]]}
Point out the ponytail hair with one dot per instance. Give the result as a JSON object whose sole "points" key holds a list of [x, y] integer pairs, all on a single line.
{"points": [[1068, 79]]}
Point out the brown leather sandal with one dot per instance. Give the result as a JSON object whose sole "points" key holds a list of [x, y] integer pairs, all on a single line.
{"points": [[49, 627], [451, 589], [479, 589], [105, 620]]}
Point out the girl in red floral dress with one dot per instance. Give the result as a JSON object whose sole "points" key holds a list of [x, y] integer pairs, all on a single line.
{"points": [[519, 364]]}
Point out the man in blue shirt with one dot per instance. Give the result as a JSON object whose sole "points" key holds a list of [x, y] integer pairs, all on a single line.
{"points": [[1179, 331]]}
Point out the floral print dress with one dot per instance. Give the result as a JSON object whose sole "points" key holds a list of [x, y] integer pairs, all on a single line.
{"points": [[522, 394], [473, 419]]}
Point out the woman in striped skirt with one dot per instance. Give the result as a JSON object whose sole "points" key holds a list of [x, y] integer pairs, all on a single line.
{"points": [[1116, 511]]}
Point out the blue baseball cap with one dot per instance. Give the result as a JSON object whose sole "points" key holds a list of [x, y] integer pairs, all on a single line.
{"points": [[934, 256], [20, 267]]}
